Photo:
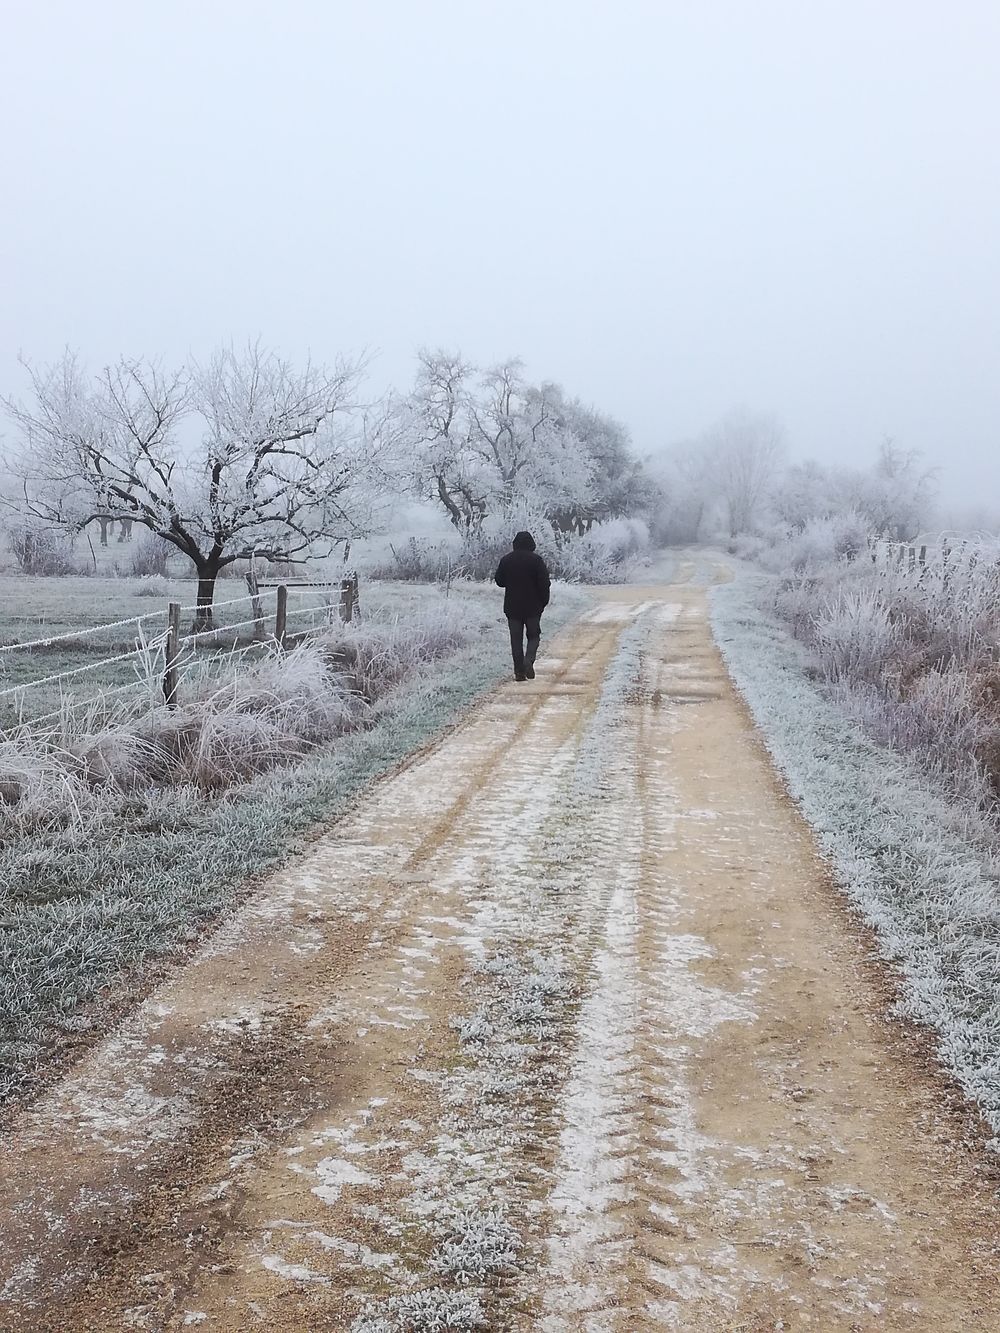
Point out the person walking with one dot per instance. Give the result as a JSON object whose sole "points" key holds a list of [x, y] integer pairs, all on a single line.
{"points": [[525, 580]]}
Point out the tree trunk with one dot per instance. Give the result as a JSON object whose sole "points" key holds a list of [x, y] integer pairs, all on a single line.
{"points": [[104, 522], [208, 572]]}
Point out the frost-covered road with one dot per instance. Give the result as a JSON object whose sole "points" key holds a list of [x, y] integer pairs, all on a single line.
{"points": [[563, 1029]]}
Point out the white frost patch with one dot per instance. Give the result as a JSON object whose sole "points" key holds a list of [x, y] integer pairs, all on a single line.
{"points": [[692, 1008], [21, 1278], [136, 1114], [356, 1253], [294, 1272], [334, 1173], [239, 1024]]}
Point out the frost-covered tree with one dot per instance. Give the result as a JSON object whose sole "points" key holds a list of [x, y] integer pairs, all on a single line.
{"points": [[806, 492], [437, 421], [893, 497], [528, 452], [491, 442], [241, 455], [746, 450], [897, 494], [686, 494], [617, 483]]}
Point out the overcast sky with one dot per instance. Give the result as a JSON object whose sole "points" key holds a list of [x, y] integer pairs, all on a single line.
{"points": [[672, 208]]}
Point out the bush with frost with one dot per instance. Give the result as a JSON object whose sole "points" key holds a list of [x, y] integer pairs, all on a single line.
{"points": [[604, 554], [419, 560], [433, 1310], [39, 550], [854, 636], [152, 585], [909, 650], [841, 537]]}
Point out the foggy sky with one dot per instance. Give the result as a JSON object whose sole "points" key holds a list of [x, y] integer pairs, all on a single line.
{"points": [[672, 208]]}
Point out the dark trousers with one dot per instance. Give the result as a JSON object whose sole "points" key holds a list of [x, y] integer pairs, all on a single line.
{"points": [[532, 627]]}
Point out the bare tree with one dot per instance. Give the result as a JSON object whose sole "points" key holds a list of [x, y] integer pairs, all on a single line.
{"points": [[491, 442], [901, 493], [284, 465], [686, 493], [438, 421], [746, 450]]}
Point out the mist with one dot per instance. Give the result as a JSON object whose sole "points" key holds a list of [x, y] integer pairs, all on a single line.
{"points": [[673, 210]]}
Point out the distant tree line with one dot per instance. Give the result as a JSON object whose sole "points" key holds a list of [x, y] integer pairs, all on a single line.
{"points": [[735, 481]]}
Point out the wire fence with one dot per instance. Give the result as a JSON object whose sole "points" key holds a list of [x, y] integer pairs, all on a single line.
{"points": [[943, 561], [160, 656]]}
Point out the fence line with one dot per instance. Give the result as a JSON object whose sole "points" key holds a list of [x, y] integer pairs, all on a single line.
{"points": [[28, 644], [73, 671], [68, 635], [941, 557], [164, 656]]}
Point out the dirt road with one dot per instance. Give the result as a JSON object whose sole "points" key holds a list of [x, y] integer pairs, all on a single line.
{"points": [[563, 1029]]}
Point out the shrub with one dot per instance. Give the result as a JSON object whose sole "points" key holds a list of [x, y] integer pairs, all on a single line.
{"points": [[152, 585], [855, 636], [937, 718], [378, 654], [147, 557], [603, 555], [418, 561], [910, 652], [821, 542], [41, 551]]}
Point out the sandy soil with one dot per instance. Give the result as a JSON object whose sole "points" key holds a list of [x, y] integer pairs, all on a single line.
{"points": [[564, 1024]]}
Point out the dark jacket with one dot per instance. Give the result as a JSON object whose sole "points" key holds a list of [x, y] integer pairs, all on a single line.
{"points": [[525, 580]]}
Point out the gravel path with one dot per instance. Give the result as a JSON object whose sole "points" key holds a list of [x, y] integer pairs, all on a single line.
{"points": [[563, 1029]]}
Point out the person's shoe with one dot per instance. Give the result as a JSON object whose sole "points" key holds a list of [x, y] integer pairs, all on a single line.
{"points": [[529, 672], [519, 675]]}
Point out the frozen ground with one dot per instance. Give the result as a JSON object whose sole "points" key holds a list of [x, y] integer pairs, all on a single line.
{"points": [[562, 1029]]}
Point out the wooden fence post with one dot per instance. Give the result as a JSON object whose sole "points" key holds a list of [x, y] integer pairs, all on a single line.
{"points": [[253, 589], [346, 600], [172, 654], [281, 614]]}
